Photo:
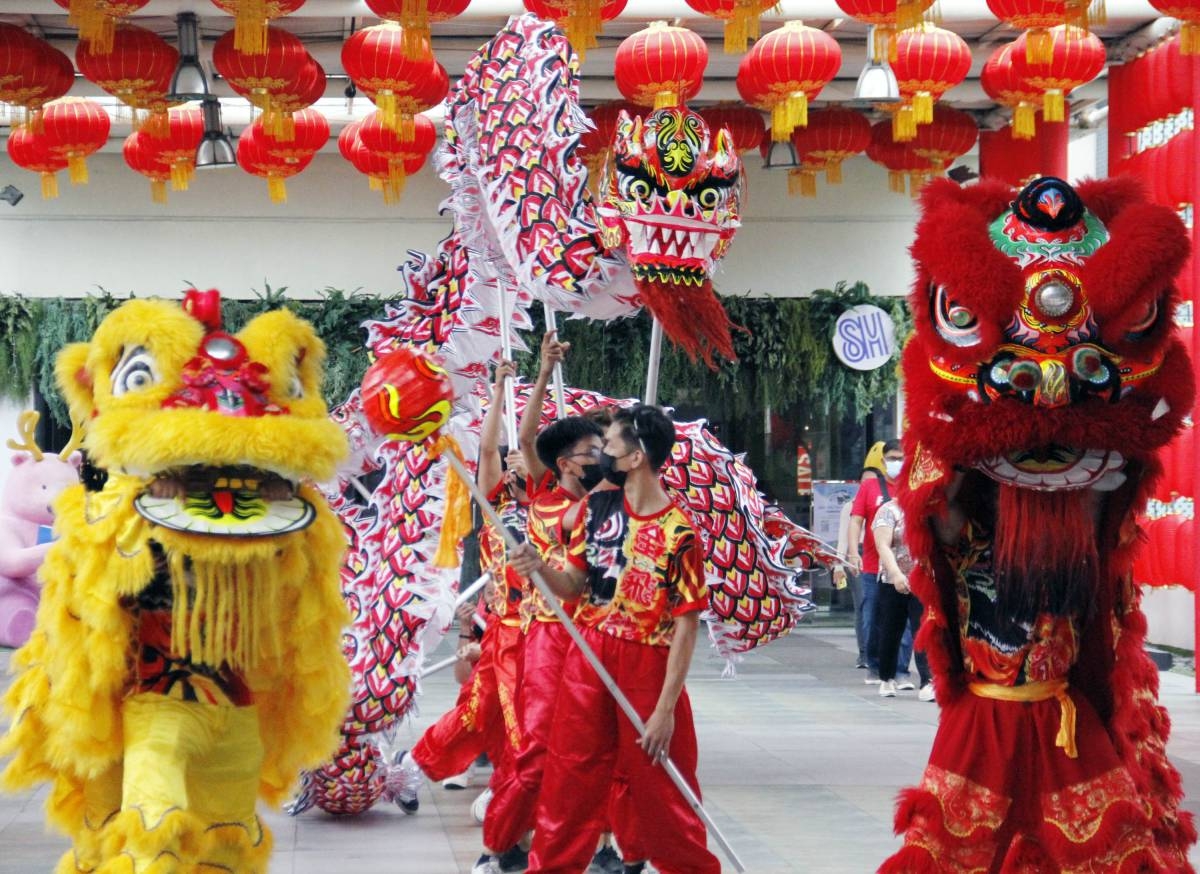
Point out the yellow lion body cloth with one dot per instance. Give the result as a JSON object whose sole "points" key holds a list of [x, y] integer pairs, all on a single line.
{"points": [[187, 655]]}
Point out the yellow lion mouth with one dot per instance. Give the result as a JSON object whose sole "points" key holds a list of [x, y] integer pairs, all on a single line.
{"points": [[236, 501]]}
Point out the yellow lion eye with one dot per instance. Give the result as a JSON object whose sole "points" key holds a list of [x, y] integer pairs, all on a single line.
{"points": [[134, 372]]}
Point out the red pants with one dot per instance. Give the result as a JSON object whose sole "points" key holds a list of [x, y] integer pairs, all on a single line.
{"points": [[592, 743], [510, 813], [484, 718], [998, 795]]}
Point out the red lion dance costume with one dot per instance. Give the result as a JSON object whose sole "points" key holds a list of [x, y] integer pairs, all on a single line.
{"points": [[1042, 378]]}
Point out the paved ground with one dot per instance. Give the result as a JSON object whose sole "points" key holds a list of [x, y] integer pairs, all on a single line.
{"points": [[800, 762]]}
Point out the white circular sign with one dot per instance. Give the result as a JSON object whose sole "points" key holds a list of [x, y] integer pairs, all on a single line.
{"points": [[864, 337]]}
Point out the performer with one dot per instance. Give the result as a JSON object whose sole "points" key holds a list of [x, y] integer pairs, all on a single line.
{"points": [[1042, 377], [484, 717], [187, 654], [634, 561]]}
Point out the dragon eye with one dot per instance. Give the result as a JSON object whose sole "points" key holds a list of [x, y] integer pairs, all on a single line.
{"points": [[954, 322], [1089, 365], [1024, 375], [134, 372], [708, 197], [638, 189], [1146, 322]]}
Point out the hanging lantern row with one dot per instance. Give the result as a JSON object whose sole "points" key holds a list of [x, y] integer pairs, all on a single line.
{"points": [[385, 157], [1076, 57], [169, 158], [929, 62], [415, 16], [950, 135], [400, 84], [660, 66], [832, 136], [741, 19], [889, 17], [262, 153], [1001, 83], [1038, 17], [251, 19], [97, 20], [581, 20], [71, 129], [136, 70], [784, 71], [32, 73], [744, 124]]}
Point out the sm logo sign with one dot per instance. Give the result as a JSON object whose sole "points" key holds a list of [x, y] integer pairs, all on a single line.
{"points": [[864, 338]]}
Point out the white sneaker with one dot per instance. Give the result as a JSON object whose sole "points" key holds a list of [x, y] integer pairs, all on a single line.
{"points": [[404, 778], [905, 685], [887, 689], [480, 805], [871, 679], [460, 781], [926, 693]]}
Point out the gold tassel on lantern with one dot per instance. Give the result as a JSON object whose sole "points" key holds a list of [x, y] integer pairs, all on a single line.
{"points": [[922, 108], [904, 124], [77, 168], [414, 23], [742, 26], [1054, 105], [182, 172], [1039, 46], [909, 14], [833, 172], [583, 24], [158, 190], [1189, 38], [1024, 122], [49, 186], [385, 101], [277, 189], [250, 32], [896, 181], [397, 177], [666, 99], [787, 115]]}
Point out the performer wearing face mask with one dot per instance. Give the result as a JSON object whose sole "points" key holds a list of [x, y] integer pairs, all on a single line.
{"points": [[636, 565], [872, 494]]}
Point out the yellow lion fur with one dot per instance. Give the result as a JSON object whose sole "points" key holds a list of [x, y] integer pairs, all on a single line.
{"points": [[76, 669]]}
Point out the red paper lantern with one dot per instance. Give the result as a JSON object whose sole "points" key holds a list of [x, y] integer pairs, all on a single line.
{"points": [[744, 124], [75, 128], [252, 156], [49, 77], [260, 77], [18, 54], [401, 84], [661, 66], [1035, 17], [950, 135], [581, 20], [929, 62], [415, 16], [741, 19], [177, 149], [137, 70], [142, 156], [29, 151], [1188, 12], [1000, 82], [304, 91], [398, 149], [1077, 57], [97, 19], [374, 166], [406, 395], [832, 136], [888, 17], [310, 134], [899, 159], [251, 20], [784, 71]]}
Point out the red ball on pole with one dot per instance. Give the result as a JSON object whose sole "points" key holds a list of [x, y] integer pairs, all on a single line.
{"points": [[406, 395]]}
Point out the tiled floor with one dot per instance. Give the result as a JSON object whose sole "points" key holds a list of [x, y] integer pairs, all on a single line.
{"points": [[800, 763]]}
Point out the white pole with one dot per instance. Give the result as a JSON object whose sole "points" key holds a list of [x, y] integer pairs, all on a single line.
{"points": [[472, 589], [606, 678], [510, 398], [656, 335], [560, 391]]}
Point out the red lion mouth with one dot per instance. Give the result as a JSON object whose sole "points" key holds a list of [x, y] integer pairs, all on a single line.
{"points": [[1051, 468]]}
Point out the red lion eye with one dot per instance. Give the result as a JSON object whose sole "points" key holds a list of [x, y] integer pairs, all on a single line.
{"points": [[1146, 322]]}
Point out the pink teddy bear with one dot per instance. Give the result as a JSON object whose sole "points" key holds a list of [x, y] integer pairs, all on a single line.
{"points": [[26, 515]]}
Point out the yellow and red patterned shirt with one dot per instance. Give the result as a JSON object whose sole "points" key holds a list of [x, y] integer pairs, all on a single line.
{"points": [[643, 571], [547, 535], [507, 587]]}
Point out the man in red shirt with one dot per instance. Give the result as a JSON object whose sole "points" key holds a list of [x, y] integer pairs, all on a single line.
{"points": [[872, 494], [636, 565]]}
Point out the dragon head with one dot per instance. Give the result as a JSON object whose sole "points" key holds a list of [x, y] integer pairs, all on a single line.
{"points": [[1043, 355], [221, 428], [671, 200]]}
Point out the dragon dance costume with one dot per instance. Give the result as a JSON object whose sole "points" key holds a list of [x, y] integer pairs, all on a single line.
{"points": [[1041, 380], [187, 654]]}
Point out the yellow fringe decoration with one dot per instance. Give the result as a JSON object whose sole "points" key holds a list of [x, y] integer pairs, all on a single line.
{"points": [[742, 26], [77, 169], [1039, 46], [833, 173], [49, 186], [158, 191], [664, 99], [923, 107], [250, 34], [1189, 38], [1024, 121], [277, 189], [456, 523], [181, 175], [414, 23], [385, 101], [582, 25], [1054, 105], [884, 44], [787, 115], [374, 183], [896, 181], [396, 178], [794, 182], [909, 14], [904, 124]]}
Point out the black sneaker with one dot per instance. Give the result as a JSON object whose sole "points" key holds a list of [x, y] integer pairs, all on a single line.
{"points": [[515, 859], [607, 860], [486, 864]]}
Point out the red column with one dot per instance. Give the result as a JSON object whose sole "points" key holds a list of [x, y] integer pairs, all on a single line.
{"points": [[1194, 60], [1052, 138]]}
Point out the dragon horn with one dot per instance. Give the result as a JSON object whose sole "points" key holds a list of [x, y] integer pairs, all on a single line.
{"points": [[26, 425], [75, 441]]}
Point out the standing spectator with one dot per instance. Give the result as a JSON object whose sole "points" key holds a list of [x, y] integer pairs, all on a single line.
{"points": [[896, 601]]}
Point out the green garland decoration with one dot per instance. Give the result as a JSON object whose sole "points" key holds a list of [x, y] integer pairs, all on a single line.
{"points": [[785, 354]]}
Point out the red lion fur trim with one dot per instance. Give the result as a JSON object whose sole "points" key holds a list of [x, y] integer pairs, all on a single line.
{"points": [[911, 860]]}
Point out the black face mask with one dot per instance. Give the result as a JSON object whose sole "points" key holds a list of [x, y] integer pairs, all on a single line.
{"points": [[592, 475], [608, 465]]}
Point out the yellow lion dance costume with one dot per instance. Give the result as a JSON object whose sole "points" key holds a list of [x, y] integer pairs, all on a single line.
{"points": [[187, 655]]}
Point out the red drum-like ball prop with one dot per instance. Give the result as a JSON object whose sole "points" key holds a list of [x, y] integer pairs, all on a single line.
{"points": [[406, 396]]}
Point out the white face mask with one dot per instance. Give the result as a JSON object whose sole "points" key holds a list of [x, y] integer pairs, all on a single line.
{"points": [[892, 468]]}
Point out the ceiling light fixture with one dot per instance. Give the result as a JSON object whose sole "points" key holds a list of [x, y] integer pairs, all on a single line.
{"points": [[876, 83], [189, 81], [216, 149]]}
